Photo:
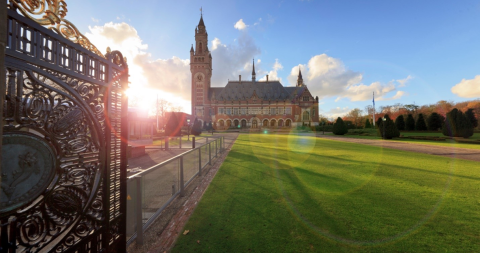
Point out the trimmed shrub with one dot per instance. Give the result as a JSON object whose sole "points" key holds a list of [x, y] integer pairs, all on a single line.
{"points": [[367, 124], [420, 125], [470, 114], [391, 130], [378, 122], [339, 128], [400, 123], [410, 123], [196, 128], [173, 127], [457, 125], [435, 121]]}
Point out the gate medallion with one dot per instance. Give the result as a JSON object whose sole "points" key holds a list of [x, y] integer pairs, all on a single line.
{"points": [[28, 167]]}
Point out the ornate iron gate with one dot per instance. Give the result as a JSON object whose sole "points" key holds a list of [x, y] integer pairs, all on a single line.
{"points": [[63, 174]]}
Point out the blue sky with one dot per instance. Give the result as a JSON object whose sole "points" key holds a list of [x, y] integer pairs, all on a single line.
{"points": [[405, 51]]}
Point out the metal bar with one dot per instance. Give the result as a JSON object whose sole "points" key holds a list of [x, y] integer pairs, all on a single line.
{"points": [[182, 186], [200, 161], [209, 153], [180, 142], [166, 143], [139, 210], [193, 142]]}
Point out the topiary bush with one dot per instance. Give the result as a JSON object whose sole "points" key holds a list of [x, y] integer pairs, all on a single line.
{"points": [[410, 123], [390, 130], [339, 128], [196, 128], [420, 125], [457, 124], [470, 114], [400, 123], [367, 124], [435, 121]]}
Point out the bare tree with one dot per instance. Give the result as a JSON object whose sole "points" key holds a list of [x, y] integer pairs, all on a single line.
{"points": [[176, 108], [356, 116]]}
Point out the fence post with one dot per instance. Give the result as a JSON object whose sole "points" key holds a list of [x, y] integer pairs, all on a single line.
{"points": [[209, 154], [193, 142], [199, 161], [180, 141], [216, 148], [166, 142], [138, 208], [182, 186]]}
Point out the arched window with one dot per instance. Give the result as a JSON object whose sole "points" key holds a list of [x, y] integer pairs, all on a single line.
{"points": [[280, 123], [273, 122], [235, 123], [288, 123], [221, 123], [254, 123], [229, 123], [265, 122], [200, 47], [306, 116], [244, 123]]}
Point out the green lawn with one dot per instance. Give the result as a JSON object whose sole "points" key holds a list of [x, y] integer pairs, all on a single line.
{"points": [[287, 193]]}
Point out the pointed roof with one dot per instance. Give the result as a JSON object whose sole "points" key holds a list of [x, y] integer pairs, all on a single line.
{"points": [[201, 21], [191, 49], [299, 73], [253, 71]]}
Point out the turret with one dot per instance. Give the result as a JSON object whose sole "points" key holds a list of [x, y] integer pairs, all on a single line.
{"points": [[253, 71]]}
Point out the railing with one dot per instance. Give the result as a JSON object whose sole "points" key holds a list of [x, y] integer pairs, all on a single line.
{"points": [[151, 191], [182, 142]]}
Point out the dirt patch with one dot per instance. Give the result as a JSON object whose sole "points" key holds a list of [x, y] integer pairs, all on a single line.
{"points": [[452, 152]]}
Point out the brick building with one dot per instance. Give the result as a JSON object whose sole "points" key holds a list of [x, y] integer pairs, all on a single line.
{"points": [[246, 103]]}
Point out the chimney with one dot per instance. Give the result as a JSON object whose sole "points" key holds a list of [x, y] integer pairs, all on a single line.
{"points": [[240, 78], [267, 78]]}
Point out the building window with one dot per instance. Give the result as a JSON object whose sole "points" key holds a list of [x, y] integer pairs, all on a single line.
{"points": [[288, 110], [235, 111], [273, 111], [229, 123], [280, 123], [242, 111], [265, 110], [229, 111], [272, 123], [306, 116], [265, 123], [221, 110], [254, 123], [221, 123], [211, 111], [235, 123], [313, 112], [281, 110], [244, 123], [306, 98]]}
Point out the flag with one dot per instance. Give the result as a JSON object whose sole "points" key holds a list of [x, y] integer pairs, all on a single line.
{"points": [[373, 99]]}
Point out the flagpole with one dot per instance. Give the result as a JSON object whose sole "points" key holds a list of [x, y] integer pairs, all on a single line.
{"points": [[373, 109], [156, 107]]}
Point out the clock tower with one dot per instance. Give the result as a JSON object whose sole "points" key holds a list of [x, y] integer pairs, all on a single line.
{"points": [[201, 68]]}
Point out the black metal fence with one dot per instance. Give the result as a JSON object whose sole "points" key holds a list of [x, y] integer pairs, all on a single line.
{"points": [[149, 192]]}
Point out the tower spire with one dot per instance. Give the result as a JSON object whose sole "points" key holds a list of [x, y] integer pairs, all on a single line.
{"points": [[300, 78], [253, 71]]}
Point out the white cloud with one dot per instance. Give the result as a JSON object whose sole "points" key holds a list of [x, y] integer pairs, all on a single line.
{"points": [[234, 59], [336, 112], [467, 88], [402, 82], [170, 76], [95, 20], [240, 25], [328, 77], [273, 74]]}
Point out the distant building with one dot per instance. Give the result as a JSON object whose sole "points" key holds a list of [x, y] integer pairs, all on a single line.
{"points": [[246, 103]]}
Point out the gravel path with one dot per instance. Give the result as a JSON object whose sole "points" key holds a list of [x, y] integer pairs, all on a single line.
{"points": [[452, 152]]}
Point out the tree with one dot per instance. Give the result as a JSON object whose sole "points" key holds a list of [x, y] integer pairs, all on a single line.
{"points": [[378, 122], [355, 116], [367, 123], [410, 123], [339, 128], [470, 114], [162, 107], [197, 128], [400, 123], [420, 125], [173, 127], [457, 124], [390, 130], [435, 121]]}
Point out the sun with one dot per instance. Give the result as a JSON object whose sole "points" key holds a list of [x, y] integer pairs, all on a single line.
{"points": [[145, 99]]}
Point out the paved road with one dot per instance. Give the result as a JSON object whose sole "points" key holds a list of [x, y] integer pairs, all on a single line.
{"points": [[452, 152]]}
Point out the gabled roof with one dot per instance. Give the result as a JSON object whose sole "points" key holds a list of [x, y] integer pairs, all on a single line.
{"points": [[272, 90]]}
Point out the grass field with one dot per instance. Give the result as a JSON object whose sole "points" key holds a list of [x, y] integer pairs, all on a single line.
{"points": [[287, 193]]}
